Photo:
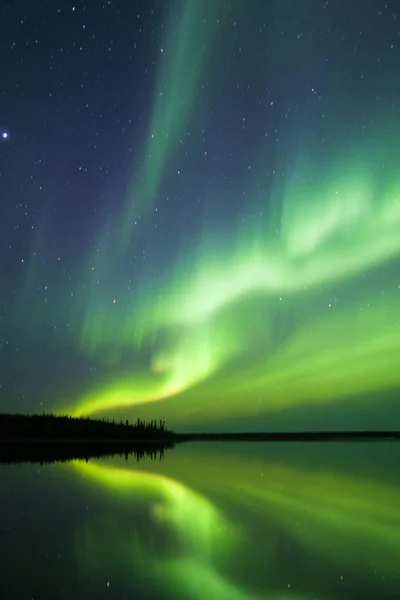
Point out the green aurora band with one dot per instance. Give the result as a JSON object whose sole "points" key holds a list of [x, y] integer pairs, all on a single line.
{"points": [[186, 51], [296, 308], [202, 326]]}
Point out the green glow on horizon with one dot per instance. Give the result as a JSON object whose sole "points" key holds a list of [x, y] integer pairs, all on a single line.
{"points": [[191, 361], [209, 329], [343, 353]]}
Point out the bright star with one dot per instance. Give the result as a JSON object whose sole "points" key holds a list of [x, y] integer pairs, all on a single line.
{"points": [[4, 135]]}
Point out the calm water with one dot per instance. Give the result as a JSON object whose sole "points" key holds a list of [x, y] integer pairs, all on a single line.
{"points": [[221, 521]]}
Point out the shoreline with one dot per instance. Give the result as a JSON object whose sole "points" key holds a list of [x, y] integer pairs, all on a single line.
{"points": [[301, 436]]}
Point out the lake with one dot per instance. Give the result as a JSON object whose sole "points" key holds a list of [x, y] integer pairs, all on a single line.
{"points": [[226, 521]]}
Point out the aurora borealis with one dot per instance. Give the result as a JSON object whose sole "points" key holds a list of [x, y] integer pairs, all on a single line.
{"points": [[201, 213]]}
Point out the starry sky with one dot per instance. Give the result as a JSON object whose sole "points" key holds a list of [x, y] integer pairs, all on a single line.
{"points": [[200, 211]]}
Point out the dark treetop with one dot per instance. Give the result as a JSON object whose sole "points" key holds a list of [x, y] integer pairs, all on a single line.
{"points": [[49, 427]]}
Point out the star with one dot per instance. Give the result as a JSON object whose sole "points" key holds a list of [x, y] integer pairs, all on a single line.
{"points": [[4, 135]]}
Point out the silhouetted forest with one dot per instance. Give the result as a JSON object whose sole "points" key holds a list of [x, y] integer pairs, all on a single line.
{"points": [[65, 451], [35, 429], [49, 427]]}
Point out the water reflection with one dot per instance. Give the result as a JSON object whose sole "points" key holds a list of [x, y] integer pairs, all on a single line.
{"points": [[229, 521], [185, 535], [65, 451]]}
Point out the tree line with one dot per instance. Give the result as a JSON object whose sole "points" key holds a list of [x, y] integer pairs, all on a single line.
{"points": [[48, 426]]}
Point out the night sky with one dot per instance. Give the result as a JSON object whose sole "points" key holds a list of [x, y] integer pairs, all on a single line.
{"points": [[200, 211]]}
